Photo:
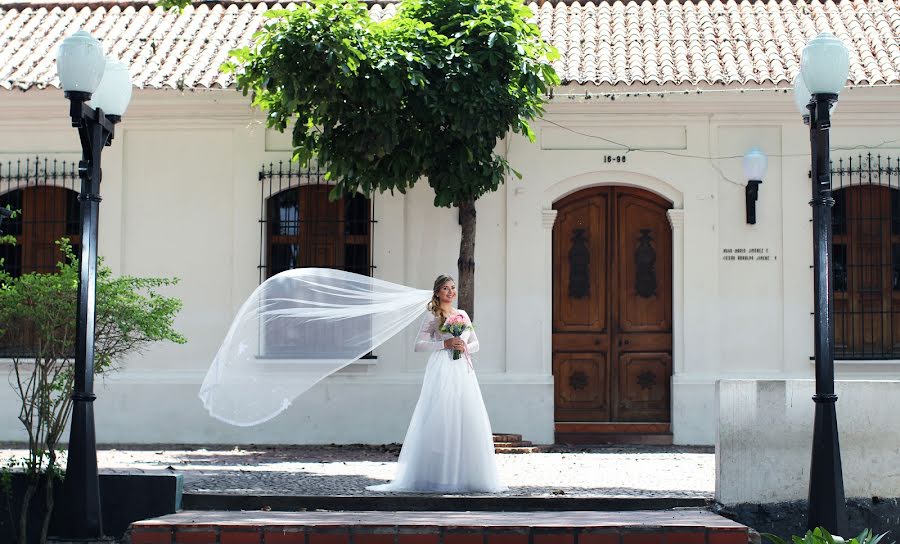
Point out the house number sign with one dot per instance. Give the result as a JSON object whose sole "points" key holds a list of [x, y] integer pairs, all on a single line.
{"points": [[748, 254]]}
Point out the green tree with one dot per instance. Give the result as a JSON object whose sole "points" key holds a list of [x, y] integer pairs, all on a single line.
{"points": [[425, 94], [37, 324]]}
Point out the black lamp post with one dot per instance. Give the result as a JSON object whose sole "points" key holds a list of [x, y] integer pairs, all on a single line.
{"points": [[98, 91], [823, 73]]}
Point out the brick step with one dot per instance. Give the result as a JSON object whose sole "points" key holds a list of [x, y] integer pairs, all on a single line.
{"points": [[507, 438], [521, 444], [531, 449], [318, 527]]}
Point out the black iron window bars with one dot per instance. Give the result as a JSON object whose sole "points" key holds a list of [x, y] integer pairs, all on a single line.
{"points": [[43, 193], [866, 245], [301, 227]]}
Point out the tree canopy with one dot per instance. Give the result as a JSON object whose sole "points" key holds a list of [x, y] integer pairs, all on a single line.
{"points": [[425, 94]]}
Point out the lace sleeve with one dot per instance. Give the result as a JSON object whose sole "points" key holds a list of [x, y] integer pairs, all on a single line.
{"points": [[425, 339], [470, 337]]}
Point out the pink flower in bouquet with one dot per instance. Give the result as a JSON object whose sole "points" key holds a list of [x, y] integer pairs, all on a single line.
{"points": [[456, 325]]}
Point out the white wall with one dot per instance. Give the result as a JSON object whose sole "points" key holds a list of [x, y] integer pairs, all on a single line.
{"points": [[764, 443], [181, 198]]}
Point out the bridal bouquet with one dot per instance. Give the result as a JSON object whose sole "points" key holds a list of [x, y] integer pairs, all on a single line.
{"points": [[455, 326]]}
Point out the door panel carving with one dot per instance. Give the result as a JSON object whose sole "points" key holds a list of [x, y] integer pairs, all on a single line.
{"points": [[644, 386], [581, 379], [644, 228], [578, 254]]}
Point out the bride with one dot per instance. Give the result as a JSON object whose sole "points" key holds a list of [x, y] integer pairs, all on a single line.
{"points": [[449, 446], [303, 325]]}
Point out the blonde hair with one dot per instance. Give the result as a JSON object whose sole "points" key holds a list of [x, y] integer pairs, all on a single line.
{"points": [[435, 305]]}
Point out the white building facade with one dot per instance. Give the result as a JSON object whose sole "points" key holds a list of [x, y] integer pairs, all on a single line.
{"points": [[616, 282]]}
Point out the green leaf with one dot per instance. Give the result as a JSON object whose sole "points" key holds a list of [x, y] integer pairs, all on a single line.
{"points": [[775, 539]]}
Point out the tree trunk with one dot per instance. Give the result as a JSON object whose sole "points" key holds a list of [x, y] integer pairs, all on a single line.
{"points": [[48, 495], [23, 512], [466, 262]]}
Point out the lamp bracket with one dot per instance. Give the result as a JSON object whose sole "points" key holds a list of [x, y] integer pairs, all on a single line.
{"points": [[81, 96], [820, 109], [751, 193]]}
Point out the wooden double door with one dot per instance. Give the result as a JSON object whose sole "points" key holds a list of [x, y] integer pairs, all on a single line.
{"points": [[612, 307]]}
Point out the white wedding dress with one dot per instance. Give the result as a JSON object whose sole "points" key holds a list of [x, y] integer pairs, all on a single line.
{"points": [[449, 447]]}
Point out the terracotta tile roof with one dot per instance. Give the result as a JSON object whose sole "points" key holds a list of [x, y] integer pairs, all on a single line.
{"points": [[607, 43]]}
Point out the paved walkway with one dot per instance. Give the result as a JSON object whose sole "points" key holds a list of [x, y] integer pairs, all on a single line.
{"points": [[346, 470]]}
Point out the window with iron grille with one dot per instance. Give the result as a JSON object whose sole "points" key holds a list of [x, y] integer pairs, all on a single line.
{"points": [[866, 257], [43, 192], [301, 227]]}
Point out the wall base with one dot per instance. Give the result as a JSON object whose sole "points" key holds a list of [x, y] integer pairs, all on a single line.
{"points": [[789, 518], [342, 410]]}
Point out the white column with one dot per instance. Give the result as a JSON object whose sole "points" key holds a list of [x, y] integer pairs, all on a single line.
{"points": [[548, 218], [676, 220]]}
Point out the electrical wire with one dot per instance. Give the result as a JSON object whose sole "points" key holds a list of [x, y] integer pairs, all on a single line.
{"points": [[712, 160]]}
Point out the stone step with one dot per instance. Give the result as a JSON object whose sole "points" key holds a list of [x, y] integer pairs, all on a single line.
{"points": [[412, 502], [596, 433], [261, 527]]}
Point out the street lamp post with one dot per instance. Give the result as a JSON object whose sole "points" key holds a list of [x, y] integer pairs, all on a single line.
{"points": [[98, 90], [823, 72]]}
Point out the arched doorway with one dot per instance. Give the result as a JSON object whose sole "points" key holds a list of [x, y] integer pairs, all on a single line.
{"points": [[612, 316]]}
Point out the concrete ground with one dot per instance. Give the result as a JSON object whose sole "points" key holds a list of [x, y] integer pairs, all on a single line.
{"points": [[614, 471]]}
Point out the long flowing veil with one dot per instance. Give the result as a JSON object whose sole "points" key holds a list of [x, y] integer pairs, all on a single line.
{"points": [[297, 328]]}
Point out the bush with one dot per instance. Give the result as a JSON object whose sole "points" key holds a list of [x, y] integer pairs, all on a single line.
{"points": [[821, 536], [37, 322]]}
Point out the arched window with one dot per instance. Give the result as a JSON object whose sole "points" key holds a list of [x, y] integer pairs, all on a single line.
{"points": [[303, 228], [866, 263], [308, 230]]}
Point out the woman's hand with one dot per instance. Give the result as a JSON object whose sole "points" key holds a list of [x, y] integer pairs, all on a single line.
{"points": [[455, 343]]}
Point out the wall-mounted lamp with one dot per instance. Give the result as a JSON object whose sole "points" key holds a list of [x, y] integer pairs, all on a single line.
{"points": [[755, 163]]}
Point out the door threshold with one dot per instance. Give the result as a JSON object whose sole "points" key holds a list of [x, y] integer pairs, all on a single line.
{"points": [[638, 433]]}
